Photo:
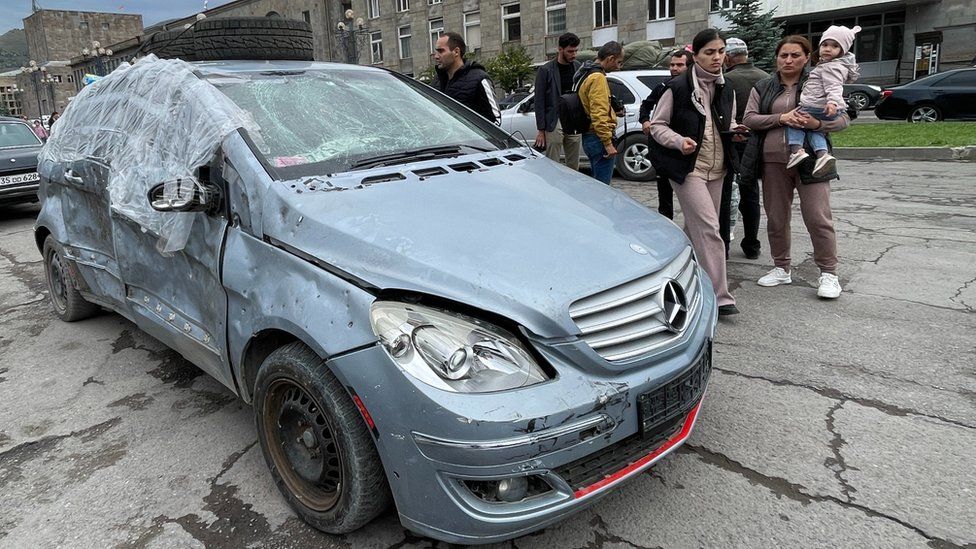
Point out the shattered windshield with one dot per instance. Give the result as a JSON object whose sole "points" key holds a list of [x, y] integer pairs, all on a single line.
{"points": [[325, 121]]}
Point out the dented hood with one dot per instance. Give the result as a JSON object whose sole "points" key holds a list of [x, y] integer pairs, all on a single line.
{"points": [[522, 240]]}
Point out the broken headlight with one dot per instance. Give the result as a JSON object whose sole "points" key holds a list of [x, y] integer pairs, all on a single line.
{"points": [[451, 351]]}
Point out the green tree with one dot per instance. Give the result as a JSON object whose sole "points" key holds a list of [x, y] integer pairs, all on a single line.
{"points": [[4, 111], [510, 68], [760, 32]]}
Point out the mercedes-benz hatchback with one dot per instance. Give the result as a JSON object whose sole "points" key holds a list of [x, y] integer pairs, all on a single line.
{"points": [[420, 309]]}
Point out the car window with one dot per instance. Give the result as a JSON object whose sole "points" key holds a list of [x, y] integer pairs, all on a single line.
{"points": [[620, 90], [959, 79], [324, 121], [528, 105], [652, 81], [15, 134]]}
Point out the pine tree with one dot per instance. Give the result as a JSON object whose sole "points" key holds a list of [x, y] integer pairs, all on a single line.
{"points": [[759, 31]]}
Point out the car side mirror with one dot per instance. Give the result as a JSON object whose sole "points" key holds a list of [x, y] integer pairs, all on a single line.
{"points": [[181, 195], [526, 107]]}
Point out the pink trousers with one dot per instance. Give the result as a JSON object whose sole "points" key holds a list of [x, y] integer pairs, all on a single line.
{"points": [[700, 201]]}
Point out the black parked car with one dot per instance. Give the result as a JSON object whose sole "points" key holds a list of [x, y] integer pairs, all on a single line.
{"points": [[943, 96], [861, 96], [18, 161]]}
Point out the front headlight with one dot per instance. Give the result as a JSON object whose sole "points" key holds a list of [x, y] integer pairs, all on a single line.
{"points": [[452, 352]]}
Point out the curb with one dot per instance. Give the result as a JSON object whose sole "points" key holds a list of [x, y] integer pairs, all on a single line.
{"points": [[961, 154]]}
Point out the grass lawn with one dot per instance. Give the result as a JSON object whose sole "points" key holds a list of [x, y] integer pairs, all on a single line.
{"points": [[933, 134]]}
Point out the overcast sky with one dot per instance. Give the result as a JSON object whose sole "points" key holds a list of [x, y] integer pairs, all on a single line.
{"points": [[13, 12]]}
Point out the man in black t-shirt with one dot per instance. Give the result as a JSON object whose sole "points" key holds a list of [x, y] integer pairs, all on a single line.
{"points": [[554, 79]]}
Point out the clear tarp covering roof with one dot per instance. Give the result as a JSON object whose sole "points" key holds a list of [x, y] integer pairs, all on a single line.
{"points": [[147, 123]]}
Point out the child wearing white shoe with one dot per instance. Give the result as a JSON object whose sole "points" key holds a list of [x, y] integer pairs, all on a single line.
{"points": [[823, 96]]}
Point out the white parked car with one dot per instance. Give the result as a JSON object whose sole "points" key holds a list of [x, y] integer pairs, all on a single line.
{"points": [[631, 87]]}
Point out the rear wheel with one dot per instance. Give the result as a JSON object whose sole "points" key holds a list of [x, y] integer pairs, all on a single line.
{"points": [[925, 113], [859, 101], [65, 298], [634, 160], [316, 443]]}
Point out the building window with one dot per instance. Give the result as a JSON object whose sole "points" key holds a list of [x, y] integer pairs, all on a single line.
{"points": [[71, 78], [432, 2], [307, 16], [511, 22], [472, 30], [374, 9], [56, 78], [604, 13], [719, 5], [376, 47], [105, 26], [83, 25], [555, 17], [403, 36], [272, 14], [436, 27], [660, 9], [403, 5]]}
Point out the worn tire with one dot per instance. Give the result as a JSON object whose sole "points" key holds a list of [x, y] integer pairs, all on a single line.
{"points": [[65, 298], [174, 44], [634, 150], [263, 38], [339, 431]]}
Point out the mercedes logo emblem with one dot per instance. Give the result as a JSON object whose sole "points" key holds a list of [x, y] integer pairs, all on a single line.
{"points": [[674, 310], [639, 249]]}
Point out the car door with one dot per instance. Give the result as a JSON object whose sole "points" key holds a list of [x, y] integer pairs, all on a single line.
{"points": [[955, 94], [178, 297], [622, 92]]}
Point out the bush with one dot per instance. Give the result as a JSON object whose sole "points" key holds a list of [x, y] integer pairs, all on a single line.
{"points": [[510, 68]]}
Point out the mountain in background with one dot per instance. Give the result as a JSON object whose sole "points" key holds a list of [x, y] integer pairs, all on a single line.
{"points": [[13, 50]]}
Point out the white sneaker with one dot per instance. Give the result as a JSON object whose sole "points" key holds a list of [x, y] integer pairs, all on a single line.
{"points": [[796, 158], [776, 277], [824, 165], [829, 286]]}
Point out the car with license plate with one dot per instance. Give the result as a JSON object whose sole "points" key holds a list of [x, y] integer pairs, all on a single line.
{"points": [[949, 95], [420, 309], [18, 161], [630, 87]]}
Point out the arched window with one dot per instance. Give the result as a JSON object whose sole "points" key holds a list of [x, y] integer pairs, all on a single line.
{"points": [[273, 14]]}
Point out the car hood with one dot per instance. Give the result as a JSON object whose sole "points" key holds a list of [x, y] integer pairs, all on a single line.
{"points": [[523, 240], [14, 159]]}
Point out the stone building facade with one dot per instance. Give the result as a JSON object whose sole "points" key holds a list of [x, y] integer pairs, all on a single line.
{"points": [[10, 93], [56, 36], [399, 33]]}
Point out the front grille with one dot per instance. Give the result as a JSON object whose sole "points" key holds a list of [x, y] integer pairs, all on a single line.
{"points": [[663, 414], [627, 321]]}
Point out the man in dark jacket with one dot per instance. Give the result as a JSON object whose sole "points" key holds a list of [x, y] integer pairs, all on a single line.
{"points": [[680, 62], [552, 80], [466, 82], [742, 76]]}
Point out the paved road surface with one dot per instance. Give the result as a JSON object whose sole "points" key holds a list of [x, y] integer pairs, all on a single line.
{"points": [[848, 423]]}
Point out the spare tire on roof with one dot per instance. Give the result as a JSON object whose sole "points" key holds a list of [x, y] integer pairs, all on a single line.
{"points": [[260, 38], [174, 44]]}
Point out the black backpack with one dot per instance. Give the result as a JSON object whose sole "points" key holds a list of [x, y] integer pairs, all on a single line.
{"points": [[572, 115]]}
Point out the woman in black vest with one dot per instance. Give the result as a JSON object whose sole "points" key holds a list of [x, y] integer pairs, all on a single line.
{"points": [[771, 109], [692, 146]]}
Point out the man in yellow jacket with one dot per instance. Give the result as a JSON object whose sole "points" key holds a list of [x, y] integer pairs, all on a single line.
{"points": [[594, 94]]}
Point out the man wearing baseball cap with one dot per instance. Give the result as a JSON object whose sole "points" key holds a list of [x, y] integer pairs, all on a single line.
{"points": [[742, 76]]}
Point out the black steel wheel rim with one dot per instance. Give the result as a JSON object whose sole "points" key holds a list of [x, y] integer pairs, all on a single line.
{"points": [[56, 282], [303, 445]]}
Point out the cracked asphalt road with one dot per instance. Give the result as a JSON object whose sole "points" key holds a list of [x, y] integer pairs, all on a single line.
{"points": [[848, 423]]}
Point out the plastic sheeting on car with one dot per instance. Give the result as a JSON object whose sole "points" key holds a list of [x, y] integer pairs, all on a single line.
{"points": [[147, 123]]}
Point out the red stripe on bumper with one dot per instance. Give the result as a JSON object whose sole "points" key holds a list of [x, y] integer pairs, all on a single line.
{"points": [[678, 438]]}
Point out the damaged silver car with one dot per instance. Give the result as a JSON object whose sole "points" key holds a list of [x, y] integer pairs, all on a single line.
{"points": [[420, 309]]}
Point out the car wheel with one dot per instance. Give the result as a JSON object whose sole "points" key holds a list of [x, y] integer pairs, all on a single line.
{"points": [[925, 113], [859, 101], [634, 160], [65, 298], [316, 443], [264, 38]]}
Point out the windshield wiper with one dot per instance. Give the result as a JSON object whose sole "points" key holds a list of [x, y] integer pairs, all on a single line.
{"points": [[425, 153]]}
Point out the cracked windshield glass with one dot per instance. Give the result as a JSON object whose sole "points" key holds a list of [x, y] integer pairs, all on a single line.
{"points": [[320, 122]]}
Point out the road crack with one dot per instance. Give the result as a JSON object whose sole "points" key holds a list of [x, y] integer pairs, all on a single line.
{"points": [[837, 464], [799, 493], [959, 293], [836, 394]]}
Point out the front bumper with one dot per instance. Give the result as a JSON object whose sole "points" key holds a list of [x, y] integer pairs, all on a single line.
{"points": [[579, 434]]}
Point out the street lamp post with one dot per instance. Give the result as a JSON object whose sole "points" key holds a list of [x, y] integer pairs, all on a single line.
{"points": [[353, 36], [18, 100], [98, 54], [35, 74]]}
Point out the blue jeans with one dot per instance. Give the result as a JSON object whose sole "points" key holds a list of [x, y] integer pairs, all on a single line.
{"points": [[600, 167], [796, 136]]}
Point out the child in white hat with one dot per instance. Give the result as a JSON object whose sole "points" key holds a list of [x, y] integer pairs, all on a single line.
{"points": [[823, 96]]}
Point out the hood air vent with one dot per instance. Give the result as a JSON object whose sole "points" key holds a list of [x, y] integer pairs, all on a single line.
{"points": [[430, 172]]}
